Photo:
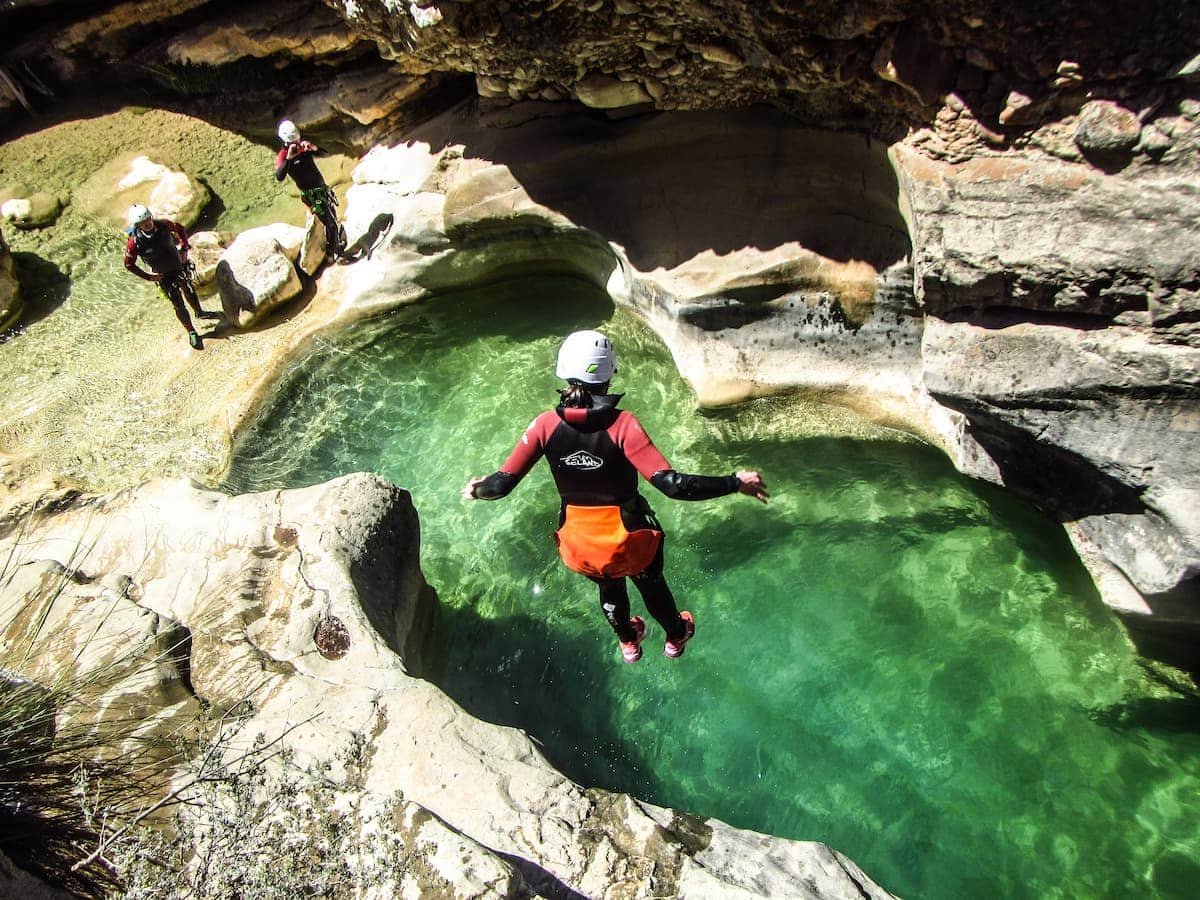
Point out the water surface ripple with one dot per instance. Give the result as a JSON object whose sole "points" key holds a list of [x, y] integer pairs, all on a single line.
{"points": [[890, 658]]}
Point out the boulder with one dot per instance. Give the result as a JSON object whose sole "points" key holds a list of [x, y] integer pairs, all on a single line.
{"points": [[605, 92], [303, 246], [207, 247], [169, 194], [35, 211], [1106, 128], [254, 276]]}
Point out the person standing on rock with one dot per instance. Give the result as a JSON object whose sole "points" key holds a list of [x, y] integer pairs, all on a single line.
{"points": [[163, 246], [607, 531], [297, 160]]}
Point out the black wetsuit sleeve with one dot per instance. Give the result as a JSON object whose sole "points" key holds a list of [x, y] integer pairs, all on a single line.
{"points": [[496, 485], [681, 486]]}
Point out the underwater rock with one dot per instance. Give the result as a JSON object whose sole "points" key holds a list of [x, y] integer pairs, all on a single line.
{"points": [[169, 194], [133, 178], [35, 211]]}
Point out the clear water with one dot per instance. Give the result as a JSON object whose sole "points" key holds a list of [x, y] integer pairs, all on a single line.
{"points": [[904, 664]]}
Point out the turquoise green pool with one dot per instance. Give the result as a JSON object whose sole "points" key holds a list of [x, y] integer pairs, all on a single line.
{"points": [[907, 665]]}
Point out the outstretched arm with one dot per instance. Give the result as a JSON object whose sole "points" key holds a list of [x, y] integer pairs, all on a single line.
{"points": [[681, 486], [493, 487], [528, 451], [653, 466]]}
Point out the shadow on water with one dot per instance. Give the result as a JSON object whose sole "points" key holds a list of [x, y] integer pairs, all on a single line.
{"points": [[1178, 713], [44, 286], [521, 672], [211, 214]]}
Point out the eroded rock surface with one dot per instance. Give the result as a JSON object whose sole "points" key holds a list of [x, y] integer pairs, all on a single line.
{"points": [[250, 578], [1062, 308]]}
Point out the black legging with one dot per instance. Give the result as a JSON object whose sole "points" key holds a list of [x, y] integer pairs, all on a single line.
{"points": [[660, 603], [176, 287]]}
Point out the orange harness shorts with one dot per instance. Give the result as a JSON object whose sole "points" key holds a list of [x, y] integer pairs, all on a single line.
{"points": [[593, 541]]}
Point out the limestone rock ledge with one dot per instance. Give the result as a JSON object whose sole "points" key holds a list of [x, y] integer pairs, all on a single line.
{"points": [[251, 577], [1041, 326], [1062, 308]]}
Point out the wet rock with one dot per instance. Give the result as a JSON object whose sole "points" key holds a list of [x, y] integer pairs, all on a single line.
{"points": [[35, 211], [255, 275], [169, 194]]}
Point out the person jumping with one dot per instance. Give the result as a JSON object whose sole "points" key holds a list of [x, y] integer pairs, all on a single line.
{"points": [[607, 531], [163, 246], [297, 160]]}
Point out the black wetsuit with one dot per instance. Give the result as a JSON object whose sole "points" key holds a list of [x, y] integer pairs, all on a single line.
{"points": [[302, 168], [163, 250], [596, 455]]}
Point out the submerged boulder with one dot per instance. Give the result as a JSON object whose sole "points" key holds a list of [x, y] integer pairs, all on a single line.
{"points": [[170, 194], [129, 179], [35, 211]]}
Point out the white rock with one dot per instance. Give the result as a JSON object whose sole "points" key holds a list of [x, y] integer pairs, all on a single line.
{"points": [[254, 276], [171, 194]]}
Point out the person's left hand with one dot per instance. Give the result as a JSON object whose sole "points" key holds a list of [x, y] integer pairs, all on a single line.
{"points": [[468, 492], [752, 485]]}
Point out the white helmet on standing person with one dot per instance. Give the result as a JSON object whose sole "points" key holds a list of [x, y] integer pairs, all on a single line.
{"points": [[288, 132], [587, 357], [138, 214]]}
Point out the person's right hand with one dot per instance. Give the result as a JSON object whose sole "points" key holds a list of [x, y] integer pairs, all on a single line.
{"points": [[293, 150], [752, 485], [468, 492]]}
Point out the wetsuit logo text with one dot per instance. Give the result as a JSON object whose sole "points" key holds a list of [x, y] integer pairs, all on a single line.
{"points": [[581, 459]]}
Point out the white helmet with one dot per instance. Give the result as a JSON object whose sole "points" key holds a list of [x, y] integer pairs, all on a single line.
{"points": [[288, 132], [137, 213], [587, 356]]}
